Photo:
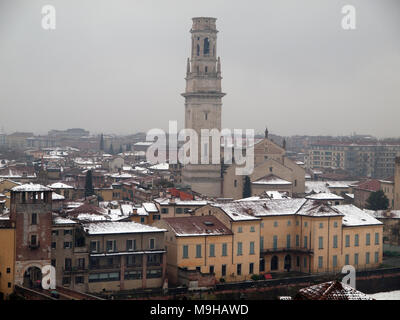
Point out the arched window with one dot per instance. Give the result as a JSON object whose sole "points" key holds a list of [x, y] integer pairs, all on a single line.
{"points": [[206, 48]]}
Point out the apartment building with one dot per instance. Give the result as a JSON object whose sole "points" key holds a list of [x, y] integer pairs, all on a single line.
{"points": [[201, 248], [375, 160], [303, 235]]}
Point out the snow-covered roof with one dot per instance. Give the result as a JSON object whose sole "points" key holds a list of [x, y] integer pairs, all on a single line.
{"points": [[30, 187], [197, 226], [332, 290], [354, 216], [272, 179], [56, 196], [179, 202], [160, 166], [118, 227], [60, 185], [324, 196], [313, 208], [150, 207], [60, 220], [127, 209]]}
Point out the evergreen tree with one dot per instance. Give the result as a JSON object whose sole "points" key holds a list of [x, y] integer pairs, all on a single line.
{"points": [[89, 191], [377, 201], [101, 142], [247, 187]]}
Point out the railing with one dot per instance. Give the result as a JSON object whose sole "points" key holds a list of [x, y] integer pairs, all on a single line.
{"points": [[108, 266], [75, 269], [287, 249]]}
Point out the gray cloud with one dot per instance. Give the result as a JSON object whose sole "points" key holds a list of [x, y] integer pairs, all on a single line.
{"points": [[119, 66]]}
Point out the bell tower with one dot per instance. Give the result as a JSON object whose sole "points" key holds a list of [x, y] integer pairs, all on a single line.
{"points": [[203, 101]]}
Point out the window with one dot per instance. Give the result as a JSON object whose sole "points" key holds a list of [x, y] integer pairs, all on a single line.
{"points": [[198, 250], [305, 262], [289, 223], [305, 224], [33, 240], [239, 249], [275, 242], [347, 240], [235, 183], [54, 232], [130, 245], [66, 280], [297, 222], [251, 268], [297, 240], [223, 270], [156, 217], [305, 242], [376, 257], [152, 243], [376, 238], [275, 223], [132, 275], [94, 247], [141, 220], [54, 245], [212, 250], [111, 245], [8, 270], [67, 263], [261, 243], [79, 279], [320, 261], [224, 249], [185, 252], [239, 269], [334, 261], [368, 239], [321, 225], [252, 247], [320, 242], [34, 218], [335, 224], [67, 245], [240, 229], [164, 210], [356, 259], [252, 229], [346, 259], [66, 232], [262, 224], [356, 240], [335, 244], [211, 269], [367, 258], [178, 210], [288, 241], [206, 48]]}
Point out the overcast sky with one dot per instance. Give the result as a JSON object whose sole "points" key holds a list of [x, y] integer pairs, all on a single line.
{"points": [[119, 66]]}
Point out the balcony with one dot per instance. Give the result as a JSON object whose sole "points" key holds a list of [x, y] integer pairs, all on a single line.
{"points": [[105, 267], [288, 250], [76, 269]]}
